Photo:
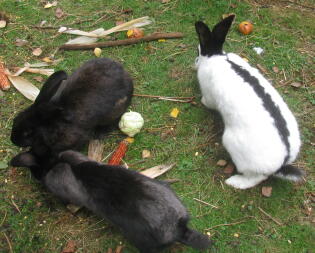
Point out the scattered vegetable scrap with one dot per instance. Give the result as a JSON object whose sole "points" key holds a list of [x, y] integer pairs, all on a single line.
{"points": [[174, 113], [131, 123], [97, 52], [120, 151], [135, 33], [245, 27], [4, 81]]}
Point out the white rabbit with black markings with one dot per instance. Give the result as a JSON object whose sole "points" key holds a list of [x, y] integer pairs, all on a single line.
{"points": [[261, 134]]}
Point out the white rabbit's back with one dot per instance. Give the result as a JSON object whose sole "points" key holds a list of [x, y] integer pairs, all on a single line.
{"points": [[261, 133]]}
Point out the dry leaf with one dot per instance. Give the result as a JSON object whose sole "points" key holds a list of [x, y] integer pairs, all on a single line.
{"points": [[275, 69], [266, 191], [3, 23], [146, 154], [229, 169], [296, 84], [165, 1], [37, 51], [20, 42], [97, 52], [71, 247], [110, 250], [24, 86], [157, 170], [4, 81], [174, 113], [59, 13], [221, 163]]}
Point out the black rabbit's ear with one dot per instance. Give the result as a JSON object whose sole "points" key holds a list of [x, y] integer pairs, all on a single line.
{"points": [[25, 159], [51, 87], [205, 36], [221, 29]]}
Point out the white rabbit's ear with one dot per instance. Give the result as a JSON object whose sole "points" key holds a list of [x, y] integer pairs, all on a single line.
{"points": [[50, 87], [204, 35]]}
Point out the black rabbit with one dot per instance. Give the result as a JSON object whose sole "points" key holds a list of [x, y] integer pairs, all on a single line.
{"points": [[69, 111], [147, 211]]}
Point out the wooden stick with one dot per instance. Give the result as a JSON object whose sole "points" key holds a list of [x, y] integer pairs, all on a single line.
{"points": [[270, 217], [206, 203], [151, 37], [152, 96], [230, 224]]}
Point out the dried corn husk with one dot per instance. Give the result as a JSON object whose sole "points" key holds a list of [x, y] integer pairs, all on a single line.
{"points": [[157, 170], [24, 86], [95, 150], [46, 72], [139, 22], [4, 82]]}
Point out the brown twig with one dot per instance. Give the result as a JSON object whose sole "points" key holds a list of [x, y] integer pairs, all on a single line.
{"points": [[270, 217], [205, 203], [174, 99], [8, 241], [151, 37], [5, 216], [230, 224], [15, 205]]}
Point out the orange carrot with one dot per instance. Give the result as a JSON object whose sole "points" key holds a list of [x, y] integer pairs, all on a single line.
{"points": [[4, 81], [120, 152]]}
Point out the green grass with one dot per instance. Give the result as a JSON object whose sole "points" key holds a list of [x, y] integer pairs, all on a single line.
{"points": [[284, 31]]}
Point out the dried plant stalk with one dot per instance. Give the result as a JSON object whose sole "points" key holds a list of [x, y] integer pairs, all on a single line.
{"points": [[95, 151]]}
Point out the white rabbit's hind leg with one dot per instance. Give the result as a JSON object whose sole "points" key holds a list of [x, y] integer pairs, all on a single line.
{"points": [[207, 104], [245, 181]]}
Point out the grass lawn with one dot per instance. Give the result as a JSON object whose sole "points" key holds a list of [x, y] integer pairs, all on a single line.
{"points": [[32, 220]]}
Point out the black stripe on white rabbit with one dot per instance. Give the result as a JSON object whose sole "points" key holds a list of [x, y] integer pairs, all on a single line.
{"points": [[69, 110], [261, 134], [147, 211]]}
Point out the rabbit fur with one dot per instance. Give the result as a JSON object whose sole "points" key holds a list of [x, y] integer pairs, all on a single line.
{"points": [[147, 211], [69, 111], [261, 134]]}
